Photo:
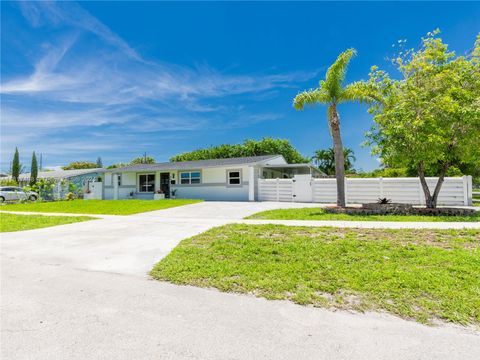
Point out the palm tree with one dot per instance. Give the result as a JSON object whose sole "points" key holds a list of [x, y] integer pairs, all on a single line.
{"points": [[325, 160], [332, 93]]}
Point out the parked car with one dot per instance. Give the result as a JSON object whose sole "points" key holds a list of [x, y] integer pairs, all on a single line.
{"points": [[13, 193]]}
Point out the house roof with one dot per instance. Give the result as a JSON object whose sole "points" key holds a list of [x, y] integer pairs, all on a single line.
{"points": [[62, 174], [188, 165]]}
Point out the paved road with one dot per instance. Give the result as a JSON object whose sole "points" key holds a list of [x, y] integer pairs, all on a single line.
{"points": [[79, 291]]}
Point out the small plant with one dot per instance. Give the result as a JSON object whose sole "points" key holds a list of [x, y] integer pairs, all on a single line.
{"points": [[8, 182], [44, 187], [384, 201], [70, 196]]}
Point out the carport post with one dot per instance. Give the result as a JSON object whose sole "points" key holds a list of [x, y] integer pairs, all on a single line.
{"points": [[115, 186], [251, 183]]}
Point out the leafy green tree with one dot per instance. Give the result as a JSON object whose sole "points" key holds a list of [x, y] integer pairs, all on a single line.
{"points": [[99, 162], [16, 166], [76, 165], [143, 160], [384, 172], [33, 170], [117, 165], [325, 160], [331, 92], [265, 146], [428, 120]]}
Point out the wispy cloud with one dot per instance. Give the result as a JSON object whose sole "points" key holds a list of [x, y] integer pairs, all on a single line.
{"points": [[95, 80], [61, 13], [85, 79]]}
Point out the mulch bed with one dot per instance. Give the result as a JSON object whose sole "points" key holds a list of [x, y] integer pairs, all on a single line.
{"points": [[398, 209]]}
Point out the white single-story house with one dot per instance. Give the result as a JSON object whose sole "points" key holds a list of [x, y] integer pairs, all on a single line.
{"points": [[233, 179], [263, 178]]}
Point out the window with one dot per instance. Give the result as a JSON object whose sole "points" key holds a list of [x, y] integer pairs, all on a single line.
{"points": [[191, 177], [119, 179], [234, 177], [146, 182]]}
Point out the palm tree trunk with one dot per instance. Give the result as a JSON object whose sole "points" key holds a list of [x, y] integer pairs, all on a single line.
{"points": [[339, 158]]}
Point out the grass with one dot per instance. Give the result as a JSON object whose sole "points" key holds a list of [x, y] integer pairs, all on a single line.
{"points": [[14, 222], [106, 207], [321, 214], [417, 274], [476, 197]]}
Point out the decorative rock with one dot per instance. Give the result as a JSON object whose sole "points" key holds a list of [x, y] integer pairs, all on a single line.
{"points": [[398, 209]]}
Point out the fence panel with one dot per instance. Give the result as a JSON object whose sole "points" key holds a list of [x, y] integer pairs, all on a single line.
{"points": [[324, 190], [455, 190], [275, 190]]}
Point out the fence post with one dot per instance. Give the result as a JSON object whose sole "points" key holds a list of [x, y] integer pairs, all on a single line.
{"points": [[278, 190], [467, 190], [346, 190]]}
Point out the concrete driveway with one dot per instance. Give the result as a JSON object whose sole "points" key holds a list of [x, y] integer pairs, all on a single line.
{"points": [[126, 244], [80, 291]]}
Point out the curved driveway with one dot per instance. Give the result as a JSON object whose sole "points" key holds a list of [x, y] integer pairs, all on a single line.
{"points": [[80, 291]]}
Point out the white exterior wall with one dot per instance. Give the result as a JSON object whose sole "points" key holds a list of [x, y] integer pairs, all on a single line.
{"points": [[128, 184], [212, 192], [277, 161], [213, 186], [107, 179], [96, 191]]}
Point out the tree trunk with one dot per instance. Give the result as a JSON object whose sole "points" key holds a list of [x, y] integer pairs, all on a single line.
{"points": [[431, 199], [339, 158]]}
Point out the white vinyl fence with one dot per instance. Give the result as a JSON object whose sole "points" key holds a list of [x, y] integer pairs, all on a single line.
{"points": [[454, 191]]}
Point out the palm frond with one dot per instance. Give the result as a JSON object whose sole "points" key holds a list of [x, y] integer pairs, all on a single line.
{"points": [[336, 73], [310, 97], [361, 92]]}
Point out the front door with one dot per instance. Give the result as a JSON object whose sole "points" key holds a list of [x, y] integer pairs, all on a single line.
{"points": [[165, 184]]}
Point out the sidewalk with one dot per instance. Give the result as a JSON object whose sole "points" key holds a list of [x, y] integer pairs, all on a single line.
{"points": [[368, 224]]}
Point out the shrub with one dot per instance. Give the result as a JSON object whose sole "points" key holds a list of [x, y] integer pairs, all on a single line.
{"points": [[8, 182]]}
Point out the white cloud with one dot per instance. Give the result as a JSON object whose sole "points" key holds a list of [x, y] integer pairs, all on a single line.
{"points": [[113, 73], [91, 93], [70, 13]]}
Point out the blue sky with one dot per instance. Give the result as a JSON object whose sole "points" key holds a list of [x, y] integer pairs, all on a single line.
{"points": [[89, 79]]}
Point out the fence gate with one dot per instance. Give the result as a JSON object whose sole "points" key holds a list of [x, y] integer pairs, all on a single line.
{"points": [[302, 188]]}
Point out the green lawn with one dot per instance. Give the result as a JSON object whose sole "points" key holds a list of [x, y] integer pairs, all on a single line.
{"points": [[14, 222], [476, 197], [106, 207], [416, 274], [320, 214]]}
